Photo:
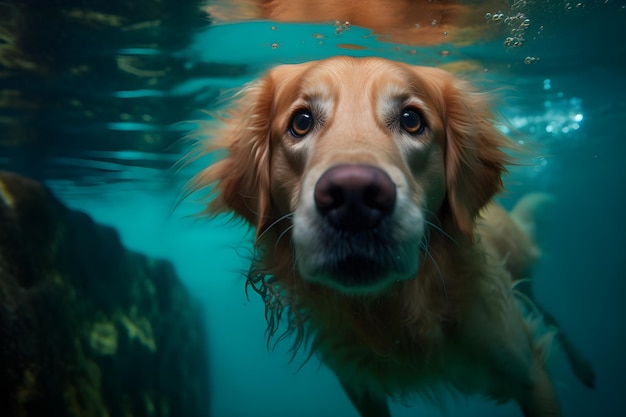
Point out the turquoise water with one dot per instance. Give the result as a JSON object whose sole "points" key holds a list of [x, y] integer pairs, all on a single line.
{"points": [[568, 99]]}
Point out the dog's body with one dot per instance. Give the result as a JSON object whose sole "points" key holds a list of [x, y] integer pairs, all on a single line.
{"points": [[370, 183]]}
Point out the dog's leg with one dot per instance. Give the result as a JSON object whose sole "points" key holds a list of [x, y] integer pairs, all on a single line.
{"points": [[531, 214], [581, 367], [367, 403], [540, 399], [524, 373], [523, 364], [500, 342]]}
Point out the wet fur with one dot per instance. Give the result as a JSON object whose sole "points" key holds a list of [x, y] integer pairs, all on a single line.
{"points": [[456, 324]]}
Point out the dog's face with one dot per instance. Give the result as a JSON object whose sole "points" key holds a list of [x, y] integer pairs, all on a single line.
{"points": [[363, 146], [362, 156]]}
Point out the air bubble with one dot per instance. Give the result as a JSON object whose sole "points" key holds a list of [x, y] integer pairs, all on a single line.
{"points": [[497, 17], [516, 25], [514, 42], [518, 4], [341, 27]]}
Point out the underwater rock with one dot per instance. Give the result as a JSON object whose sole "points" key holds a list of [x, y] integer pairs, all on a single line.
{"points": [[88, 328]]}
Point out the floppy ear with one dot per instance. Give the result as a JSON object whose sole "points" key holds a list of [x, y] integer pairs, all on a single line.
{"points": [[474, 159], [240, 181]]}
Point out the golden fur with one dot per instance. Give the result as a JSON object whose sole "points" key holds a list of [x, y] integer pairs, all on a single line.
{"points": [[454, 322]]}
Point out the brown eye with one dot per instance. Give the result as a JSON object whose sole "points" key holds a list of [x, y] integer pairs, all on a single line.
{"points": [[411, 121], [301, 123]]}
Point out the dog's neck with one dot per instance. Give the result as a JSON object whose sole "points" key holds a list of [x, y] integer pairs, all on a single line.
{"points": [[410, 313]]}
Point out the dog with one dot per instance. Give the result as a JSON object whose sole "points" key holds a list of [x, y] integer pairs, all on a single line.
{"points": [[371, 186]]}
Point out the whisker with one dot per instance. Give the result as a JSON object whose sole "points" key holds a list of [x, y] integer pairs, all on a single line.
{"points": [[517, 282], [437, 227], [274, 223], [245, 199], [287, 229], [528, 302], [294, 262], [440, 230], [441, 278]]}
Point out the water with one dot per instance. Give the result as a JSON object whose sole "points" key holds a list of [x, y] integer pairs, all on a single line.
{"points": [[566, 93]]}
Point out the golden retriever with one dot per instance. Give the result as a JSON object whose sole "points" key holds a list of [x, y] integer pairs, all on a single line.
{"points": [[370, 184]]}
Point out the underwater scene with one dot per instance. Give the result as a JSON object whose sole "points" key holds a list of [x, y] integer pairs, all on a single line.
{"points": [[118, 299]]}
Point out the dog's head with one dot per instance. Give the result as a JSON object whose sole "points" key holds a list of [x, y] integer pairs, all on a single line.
{"points": [[352, 161]]}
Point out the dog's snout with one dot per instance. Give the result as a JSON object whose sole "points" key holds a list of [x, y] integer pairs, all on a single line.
{"points": [[354, 197]]}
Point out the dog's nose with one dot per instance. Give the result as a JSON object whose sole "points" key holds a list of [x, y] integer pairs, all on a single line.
{"points": [[354, 198]]}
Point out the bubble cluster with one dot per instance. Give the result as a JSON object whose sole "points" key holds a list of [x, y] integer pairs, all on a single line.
{"points": [[561, 117], [566, 115], [495, 17], [518, 4], [341, 27], [570, 6], [516, 24], [513, 41]]}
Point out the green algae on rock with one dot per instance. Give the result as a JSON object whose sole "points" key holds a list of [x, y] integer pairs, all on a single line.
{"points": [[88, 328]]}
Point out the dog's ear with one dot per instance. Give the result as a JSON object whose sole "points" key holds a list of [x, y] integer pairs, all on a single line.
{"points": [[475, 160], [240, 181]]}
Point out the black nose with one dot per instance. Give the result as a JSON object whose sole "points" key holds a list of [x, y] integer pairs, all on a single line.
{"points": [[354, 197]]}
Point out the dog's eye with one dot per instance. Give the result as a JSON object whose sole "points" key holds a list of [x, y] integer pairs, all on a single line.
{"points": [[411, 121], [301, 123]]}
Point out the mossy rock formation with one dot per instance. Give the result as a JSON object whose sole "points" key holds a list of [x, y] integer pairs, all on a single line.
{"points": [[88, 328]]}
